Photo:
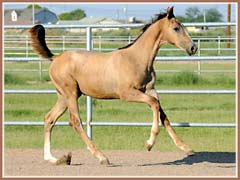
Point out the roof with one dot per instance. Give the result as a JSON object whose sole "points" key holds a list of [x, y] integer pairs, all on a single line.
{"points": [[89, 20]]}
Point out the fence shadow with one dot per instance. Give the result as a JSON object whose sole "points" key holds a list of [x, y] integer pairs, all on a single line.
{"points": [[200, 157]]}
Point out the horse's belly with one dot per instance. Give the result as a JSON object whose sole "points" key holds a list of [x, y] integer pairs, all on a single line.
{"points": [[97, 88], [97, 78], [100, 94]]}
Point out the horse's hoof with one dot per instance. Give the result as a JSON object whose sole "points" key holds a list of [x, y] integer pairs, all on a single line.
{"points": [[65, 160], [104, 161], [190, 153], [148, 146]]}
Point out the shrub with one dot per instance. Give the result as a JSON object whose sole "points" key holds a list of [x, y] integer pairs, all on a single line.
{"points": [[185, 78], [224, 79], [12, 79], [46, 78]]}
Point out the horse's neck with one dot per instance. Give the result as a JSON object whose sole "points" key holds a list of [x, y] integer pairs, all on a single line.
{"points": [[148, 44]]}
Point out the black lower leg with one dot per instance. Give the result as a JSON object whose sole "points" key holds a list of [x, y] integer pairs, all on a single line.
{"points": [[163, 117]]}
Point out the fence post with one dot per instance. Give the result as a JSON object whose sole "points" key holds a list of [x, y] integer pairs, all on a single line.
{"points": [[100, 43], [63, 43], [199, 54], [219, 45], [129, 39], [26, 45], [89, 99], [40, 70]]}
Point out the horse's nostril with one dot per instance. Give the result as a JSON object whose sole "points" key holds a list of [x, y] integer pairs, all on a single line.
{"points": [[192, 48]]}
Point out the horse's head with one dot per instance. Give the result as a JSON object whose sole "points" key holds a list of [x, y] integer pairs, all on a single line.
{"points": [[175, 33]]}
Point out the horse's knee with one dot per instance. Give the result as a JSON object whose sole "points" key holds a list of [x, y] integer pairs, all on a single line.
{"points": [[163, 117], [165, 122], [48, 121], [155, 105], [74, 121], [155, 131]]}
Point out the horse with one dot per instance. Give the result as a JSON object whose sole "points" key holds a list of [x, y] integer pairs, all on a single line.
{"points": [[126, 74]]}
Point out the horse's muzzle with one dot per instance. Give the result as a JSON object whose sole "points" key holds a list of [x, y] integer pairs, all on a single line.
{"points": [[192, 50]]}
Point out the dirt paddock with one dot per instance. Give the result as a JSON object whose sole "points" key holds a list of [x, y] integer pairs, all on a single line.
{"points": [[29, 162]]}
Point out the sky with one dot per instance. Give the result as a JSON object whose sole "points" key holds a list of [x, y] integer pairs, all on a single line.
{"points": [[142, 11]]}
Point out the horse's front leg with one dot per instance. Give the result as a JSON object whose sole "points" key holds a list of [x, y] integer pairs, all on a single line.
{"points": [[177, 141], [165, 122], [134, 95], [155, 126]]}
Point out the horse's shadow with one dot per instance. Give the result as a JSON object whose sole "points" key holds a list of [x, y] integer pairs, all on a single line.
{"points": [[200, 157]]}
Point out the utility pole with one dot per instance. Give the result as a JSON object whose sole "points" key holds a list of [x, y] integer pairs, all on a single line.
{"points": [[228, 33], [204, 19], [33, 14], [117, 14], [125, 10]]}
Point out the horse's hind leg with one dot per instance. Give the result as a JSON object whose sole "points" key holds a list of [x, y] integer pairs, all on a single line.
{"points": [[50, 120]]}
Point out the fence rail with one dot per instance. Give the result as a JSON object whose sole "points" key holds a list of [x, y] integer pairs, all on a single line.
{"points": [[208, 24], [158, 58], [140, 124], [9, 91]]}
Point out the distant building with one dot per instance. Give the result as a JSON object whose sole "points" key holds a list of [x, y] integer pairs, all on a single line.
{"points": [[24, 17], [196, 29], [91, 21]]}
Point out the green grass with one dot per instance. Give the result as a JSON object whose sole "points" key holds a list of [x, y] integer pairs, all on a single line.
{"points": [[10, 79], [190, 80], [204, 108], [112, 138]]}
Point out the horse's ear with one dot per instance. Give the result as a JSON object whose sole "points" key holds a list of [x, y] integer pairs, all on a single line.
{"points": [[170, 14]]}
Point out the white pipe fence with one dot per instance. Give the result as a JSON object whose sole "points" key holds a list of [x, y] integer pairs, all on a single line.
{"points": [[63, 38], [90, 27], [17, 45]]}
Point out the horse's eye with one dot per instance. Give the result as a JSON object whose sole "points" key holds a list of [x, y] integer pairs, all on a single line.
{"points": [[176, 29]]}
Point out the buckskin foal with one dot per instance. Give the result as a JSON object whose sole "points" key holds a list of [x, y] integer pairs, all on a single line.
{"points": [[126, 74]]}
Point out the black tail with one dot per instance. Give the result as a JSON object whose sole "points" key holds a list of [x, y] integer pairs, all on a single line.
{"points": [[38, 42]]}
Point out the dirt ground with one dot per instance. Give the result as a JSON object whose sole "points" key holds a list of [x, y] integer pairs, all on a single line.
{"points": [[29, 162]]}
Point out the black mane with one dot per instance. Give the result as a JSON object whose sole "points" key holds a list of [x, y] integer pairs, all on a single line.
{"points": [[145, 27]]}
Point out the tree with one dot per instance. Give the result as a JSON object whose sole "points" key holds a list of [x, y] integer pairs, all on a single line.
{"points": [[73, 15], [181, 18], [65, 16], [213, 15], [36, 6], [193, 14]]}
